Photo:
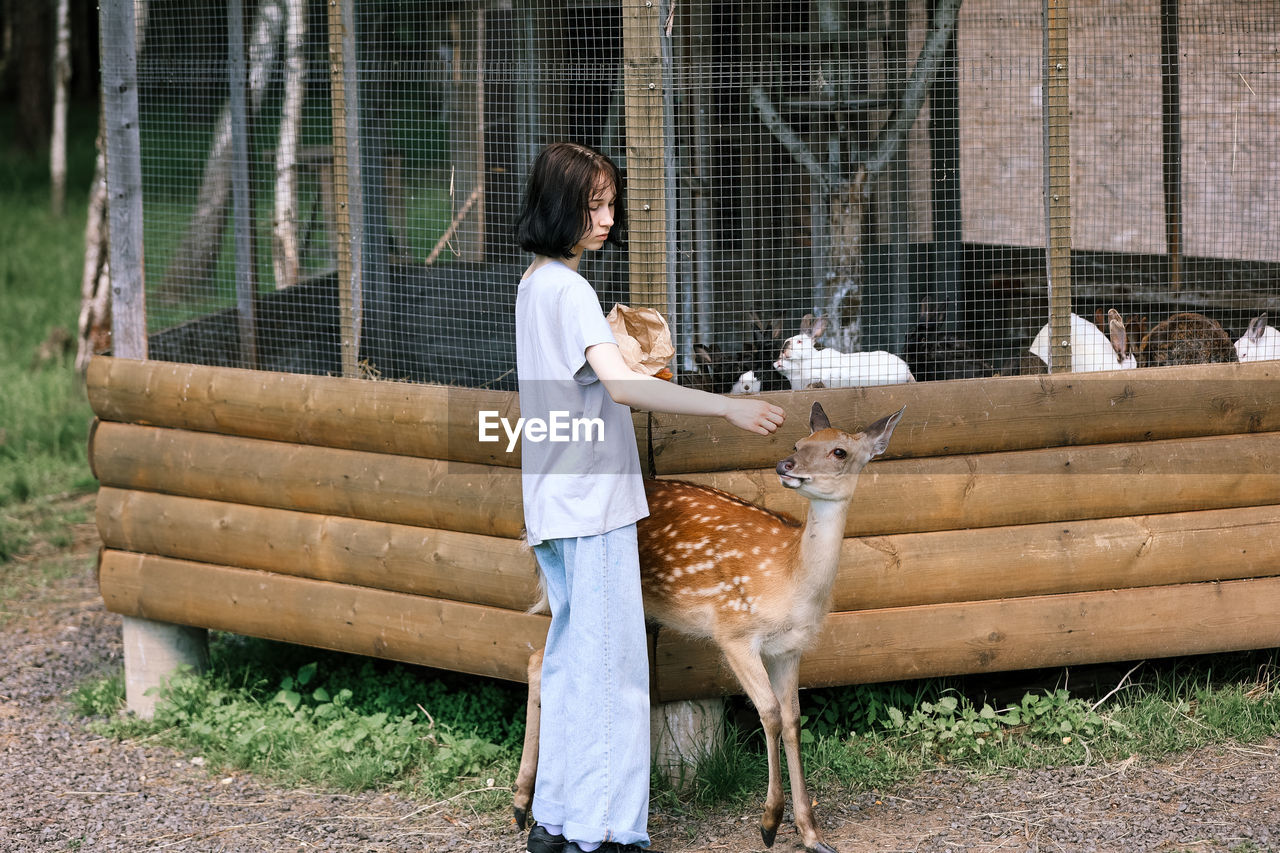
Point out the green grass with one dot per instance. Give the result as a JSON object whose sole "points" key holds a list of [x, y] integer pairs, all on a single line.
{"points": [[873, 738], [303, 716], [44, 416]]}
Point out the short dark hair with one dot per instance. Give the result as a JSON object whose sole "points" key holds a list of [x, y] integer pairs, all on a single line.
{"points": [[554, 216]]}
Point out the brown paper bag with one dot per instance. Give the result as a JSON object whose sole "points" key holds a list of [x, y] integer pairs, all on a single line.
{"points": [[643, 338]]}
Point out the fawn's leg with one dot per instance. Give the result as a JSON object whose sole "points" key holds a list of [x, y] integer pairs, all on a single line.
{"points": [[749, 669], [784, 675], [529, 754]]}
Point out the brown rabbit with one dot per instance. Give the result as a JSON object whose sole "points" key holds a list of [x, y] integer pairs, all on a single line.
{"points": [[1186, 338]]}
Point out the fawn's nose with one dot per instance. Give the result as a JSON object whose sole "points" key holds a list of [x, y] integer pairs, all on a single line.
{"points": [[785, 466]]}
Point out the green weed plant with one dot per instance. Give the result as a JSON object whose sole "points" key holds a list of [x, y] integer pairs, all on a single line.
{"points": [[334, 720]]}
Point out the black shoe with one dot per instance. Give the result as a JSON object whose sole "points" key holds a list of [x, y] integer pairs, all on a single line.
{"points": [[610, 847], [541, 841]]}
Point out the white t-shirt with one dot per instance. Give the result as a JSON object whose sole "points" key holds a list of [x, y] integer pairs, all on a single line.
{"points": [[583, 478]]}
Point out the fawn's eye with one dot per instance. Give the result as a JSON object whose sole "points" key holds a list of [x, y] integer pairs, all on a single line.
{"points": [[840, 453]]}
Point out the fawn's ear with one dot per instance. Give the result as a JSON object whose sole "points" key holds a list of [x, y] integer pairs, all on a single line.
{"points": [[818, 419], [881, 431]]}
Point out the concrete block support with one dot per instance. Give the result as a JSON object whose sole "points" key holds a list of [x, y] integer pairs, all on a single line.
{"points": [[153, 651]]}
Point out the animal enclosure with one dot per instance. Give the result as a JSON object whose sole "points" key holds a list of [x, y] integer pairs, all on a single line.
{"points": [[961, 193]]}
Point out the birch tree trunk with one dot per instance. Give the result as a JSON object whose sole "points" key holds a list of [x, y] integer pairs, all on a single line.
{"points": [[284, 252], [61, 80], [95, 284], [196, 257]]}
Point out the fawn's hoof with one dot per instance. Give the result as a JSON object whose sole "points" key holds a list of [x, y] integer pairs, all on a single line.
{"points": [[768, 835], [521, 816], [821, 847]]}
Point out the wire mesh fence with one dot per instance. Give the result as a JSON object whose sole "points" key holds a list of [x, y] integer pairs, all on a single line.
{"points": [[946, 189]]}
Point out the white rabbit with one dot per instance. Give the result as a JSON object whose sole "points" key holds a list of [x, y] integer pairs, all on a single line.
{"points": [[804, 365], [747, 384], [1090, 349], [1260, 343]]}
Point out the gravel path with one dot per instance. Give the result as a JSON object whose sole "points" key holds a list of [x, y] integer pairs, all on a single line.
{"points": [[67, 789]]}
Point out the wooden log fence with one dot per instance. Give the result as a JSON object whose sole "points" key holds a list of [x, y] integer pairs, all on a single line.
{"points": [[486, 570], [1019, 521], [487, 641], [992, 636]]}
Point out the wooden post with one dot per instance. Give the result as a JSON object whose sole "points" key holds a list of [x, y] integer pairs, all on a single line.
{"points": [[241, 207], [124, 178], [700, 64], [1057, 180], [944, 150], [670, 166], [895, 207], [681, 734], [646, 188], [1171, 135], [467, 29], [152, 650], [344, 106]]}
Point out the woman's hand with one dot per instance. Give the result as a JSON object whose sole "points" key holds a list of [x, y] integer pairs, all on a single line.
{"points": [[758, 416], [655, 395]]}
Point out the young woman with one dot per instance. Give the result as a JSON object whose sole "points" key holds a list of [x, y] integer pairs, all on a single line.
{"points": [[582, 499]]}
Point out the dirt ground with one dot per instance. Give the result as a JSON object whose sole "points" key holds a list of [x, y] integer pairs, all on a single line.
{"points": [[68, 789]]}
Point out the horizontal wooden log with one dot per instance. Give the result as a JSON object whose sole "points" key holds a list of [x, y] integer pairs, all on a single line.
{"points": [[435, 563], [897, 496], [1010, 634], [998, 414], [1041, 559], [449, 635], [431, 493], [1035, 486], [428, 421]]}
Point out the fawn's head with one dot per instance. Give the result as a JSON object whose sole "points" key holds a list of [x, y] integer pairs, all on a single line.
{"points": [[826, 464]]}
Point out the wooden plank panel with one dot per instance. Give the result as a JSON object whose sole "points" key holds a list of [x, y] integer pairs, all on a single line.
{"points": [[1035, 486], [431, 493], [428, 421], [435, 563], [1042, 559], [999, 414], [446, 634], [993, 636]]}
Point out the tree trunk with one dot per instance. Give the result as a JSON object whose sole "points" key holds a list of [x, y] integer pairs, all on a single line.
{"points": [[848, 212], [34, 29], [61, 81], [284, 255], [196, 257], [95, 285]]}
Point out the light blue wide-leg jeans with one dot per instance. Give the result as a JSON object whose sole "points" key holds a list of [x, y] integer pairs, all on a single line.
{"points": [[593, 756]]}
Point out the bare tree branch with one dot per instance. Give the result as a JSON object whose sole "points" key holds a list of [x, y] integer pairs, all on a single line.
{"points": [[917, 87], [789, 138]]}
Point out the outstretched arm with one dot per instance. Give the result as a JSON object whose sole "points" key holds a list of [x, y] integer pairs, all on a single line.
{"points": [[655, 395]]}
